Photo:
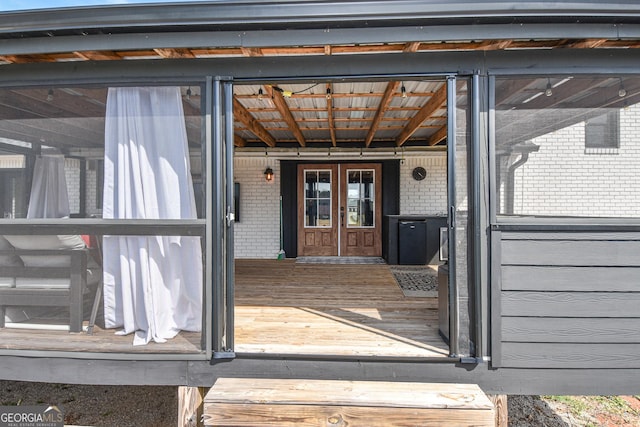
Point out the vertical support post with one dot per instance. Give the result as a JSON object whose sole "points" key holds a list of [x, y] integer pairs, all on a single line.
{"points": [[230, 216], [78, 267], [454, 311], [83, 188], [190, 406], [208, 322], [500, 407], [218, 220], [476, 188]]}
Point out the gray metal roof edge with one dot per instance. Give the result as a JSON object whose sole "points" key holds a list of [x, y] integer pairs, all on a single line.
{"points": [[321, 12], [311, 37]]}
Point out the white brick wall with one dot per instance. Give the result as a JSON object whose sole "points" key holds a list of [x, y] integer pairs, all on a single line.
{"points": [[563, 179], [257, 235], [429, 196], [72, 175]]}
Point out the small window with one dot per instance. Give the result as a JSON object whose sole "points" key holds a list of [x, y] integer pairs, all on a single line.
{"points": [[602, 131]]}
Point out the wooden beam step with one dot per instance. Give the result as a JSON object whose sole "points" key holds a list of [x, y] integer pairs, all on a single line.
{"points": [[299, 402]]}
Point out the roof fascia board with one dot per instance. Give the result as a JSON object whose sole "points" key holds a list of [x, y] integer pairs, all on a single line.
{"points": [[247, 13], [313, 37]]}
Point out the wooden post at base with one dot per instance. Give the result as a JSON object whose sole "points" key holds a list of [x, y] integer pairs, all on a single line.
{"points": [[500, 405], [190, 406]]}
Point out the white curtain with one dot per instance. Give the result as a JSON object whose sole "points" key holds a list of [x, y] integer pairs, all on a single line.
{"points": [[152, 285], [49, 197]]}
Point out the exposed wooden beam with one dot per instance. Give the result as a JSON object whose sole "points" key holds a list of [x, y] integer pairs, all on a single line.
{"points": [[494, 44], [510, 88], [586, 44], [174, 53], [239, 141], [425, 112], [440, 135], [332, 125], [411, 47], [251, 51], [98, 55], [327, 49], [23, 59], [349, 95], [382, 109], [251, 123], [283, 108]]}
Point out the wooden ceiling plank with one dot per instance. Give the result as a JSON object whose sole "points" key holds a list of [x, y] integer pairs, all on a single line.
{"points": [[436, 102], [243, 116], [332, 125], [174, 53], [392, 87], [283, 108]]}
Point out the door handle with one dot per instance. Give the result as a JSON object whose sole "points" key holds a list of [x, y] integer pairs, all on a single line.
{"points": [[342, 219]]}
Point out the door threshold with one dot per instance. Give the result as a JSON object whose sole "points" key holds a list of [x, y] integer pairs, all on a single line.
{"points": [[340, 260]]}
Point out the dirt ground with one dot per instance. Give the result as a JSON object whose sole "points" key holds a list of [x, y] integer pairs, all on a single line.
{"points": [[157, 406]]}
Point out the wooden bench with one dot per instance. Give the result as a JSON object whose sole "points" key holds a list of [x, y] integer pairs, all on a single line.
{"points": [[297, 402]]}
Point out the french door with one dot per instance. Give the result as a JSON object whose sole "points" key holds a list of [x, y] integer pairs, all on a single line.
{"points": [[339, 209]]}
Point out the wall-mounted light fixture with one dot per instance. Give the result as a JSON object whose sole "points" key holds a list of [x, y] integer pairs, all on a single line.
{"points": [[268, 174]]}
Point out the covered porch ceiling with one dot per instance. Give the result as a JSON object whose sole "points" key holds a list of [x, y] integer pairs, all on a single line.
{"points": [[357, 114]]}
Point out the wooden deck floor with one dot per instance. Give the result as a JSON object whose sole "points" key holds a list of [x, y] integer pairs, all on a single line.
{"points": [[289, 308]]}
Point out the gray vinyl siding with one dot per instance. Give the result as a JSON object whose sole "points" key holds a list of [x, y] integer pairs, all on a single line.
{"points": [[566, 300]]}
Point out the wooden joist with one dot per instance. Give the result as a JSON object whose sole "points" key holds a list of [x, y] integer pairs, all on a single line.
{"points": [[301, 402], [436, 102]]}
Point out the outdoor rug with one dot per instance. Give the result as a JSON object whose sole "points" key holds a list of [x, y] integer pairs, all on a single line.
{"points": [[339, 260], [416, 281]]}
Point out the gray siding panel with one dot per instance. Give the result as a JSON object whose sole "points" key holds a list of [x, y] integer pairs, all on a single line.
{"points": [[570, 355], [579, 279], [568, 300], [571, 252], [567, 330], [571, 304]]}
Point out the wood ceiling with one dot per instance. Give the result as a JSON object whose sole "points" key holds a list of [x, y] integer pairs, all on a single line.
{"points": [[357, 114]]}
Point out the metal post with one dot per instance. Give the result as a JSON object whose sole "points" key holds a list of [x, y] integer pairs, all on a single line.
{"points": [[218, 219], [230, 219], [476, 189], [207, 180], [454, 315]]}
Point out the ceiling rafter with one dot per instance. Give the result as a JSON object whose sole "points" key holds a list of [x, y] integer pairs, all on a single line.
{"points": [[332, 125], [174, 53], [98, 55], [239, 141], [438, 136], [411, 47], [252, 124], [283, 108], [587, 44], [382, 109], [427, 110], [252, 51]]}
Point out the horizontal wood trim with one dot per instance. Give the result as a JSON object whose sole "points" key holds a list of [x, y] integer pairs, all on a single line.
{"points": [[562, 330], [584, 279], [605, 235], [565, 252], [312, 416], [570, 355], [571, 304]]}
